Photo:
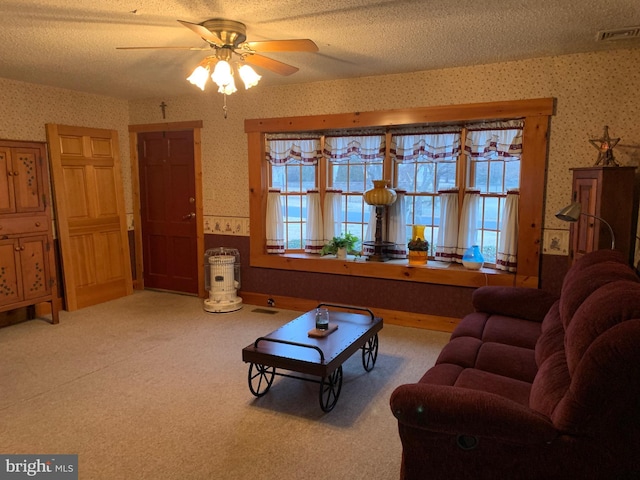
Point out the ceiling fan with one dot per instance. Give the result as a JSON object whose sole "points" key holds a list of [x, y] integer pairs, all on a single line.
{"points": [[228, 40]]}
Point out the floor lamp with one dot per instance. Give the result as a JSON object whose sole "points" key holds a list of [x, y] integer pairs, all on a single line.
{"points": [[572, 212]]}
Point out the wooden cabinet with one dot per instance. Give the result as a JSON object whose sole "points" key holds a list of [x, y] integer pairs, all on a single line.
{"points": [[608, 193], [27, 261]]}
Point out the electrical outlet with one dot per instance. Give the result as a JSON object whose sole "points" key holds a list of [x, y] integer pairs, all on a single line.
{"points": [[271, 302]]}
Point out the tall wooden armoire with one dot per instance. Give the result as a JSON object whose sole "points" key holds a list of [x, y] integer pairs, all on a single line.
{"points": [[27, 260], [608, 193]]}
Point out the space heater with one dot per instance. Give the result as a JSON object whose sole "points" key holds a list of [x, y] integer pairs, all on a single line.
{"points": [[222, 280]]}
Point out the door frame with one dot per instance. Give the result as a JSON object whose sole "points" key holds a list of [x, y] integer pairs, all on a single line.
{"points": [[134, 130]]}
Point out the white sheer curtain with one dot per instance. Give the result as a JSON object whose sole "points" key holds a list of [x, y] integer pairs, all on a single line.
{"points": [[447, 239], [332, 214], [370, 231], [468, 232], [507, 255], [274, 223], [314, 238], [397, 232]]}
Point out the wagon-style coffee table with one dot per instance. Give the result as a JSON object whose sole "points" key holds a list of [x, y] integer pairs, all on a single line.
{"points": [[292, 348]]}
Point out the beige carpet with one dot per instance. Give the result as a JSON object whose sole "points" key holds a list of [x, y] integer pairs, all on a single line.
{"points": [[152, 387]]}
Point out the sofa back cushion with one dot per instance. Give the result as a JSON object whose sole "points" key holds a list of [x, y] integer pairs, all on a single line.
{"points": [[584, 280], [592, 384]]}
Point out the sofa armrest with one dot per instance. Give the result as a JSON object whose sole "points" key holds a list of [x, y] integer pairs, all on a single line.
{"points": [[527, 303], [461, 411]]}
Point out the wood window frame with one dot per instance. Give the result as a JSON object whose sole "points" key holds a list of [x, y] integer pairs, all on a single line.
{"points": [[536, 114]]}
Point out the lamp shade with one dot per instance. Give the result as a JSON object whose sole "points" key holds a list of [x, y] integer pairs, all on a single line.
{"points": [[249, 76], [570, 213], [199, 77], [380, 195], [222, 75]]}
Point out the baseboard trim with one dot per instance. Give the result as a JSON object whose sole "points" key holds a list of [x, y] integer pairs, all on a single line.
{"points": [[391, 317]]}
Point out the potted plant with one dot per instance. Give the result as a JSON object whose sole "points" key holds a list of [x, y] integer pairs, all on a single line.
{"points": [[340, 246], [418, 251]]}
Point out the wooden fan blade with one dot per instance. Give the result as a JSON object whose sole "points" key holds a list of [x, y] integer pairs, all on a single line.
{"points": [[163, 48], [271, 64], [299, 45], [203, 32]]}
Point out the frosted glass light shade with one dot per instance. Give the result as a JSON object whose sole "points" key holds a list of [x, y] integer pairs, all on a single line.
{"points": [[229, 88], [222, 75], [249, 76], [199, 77]]}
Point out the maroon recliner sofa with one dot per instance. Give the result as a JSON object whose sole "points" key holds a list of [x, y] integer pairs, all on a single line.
{"points": [[531, 386]]}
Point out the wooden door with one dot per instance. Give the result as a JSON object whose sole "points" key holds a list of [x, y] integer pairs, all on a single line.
{"points": [[90, 212], [168, 210]]}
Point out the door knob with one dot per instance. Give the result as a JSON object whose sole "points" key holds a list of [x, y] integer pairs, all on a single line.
{"points": [[189, 216]]}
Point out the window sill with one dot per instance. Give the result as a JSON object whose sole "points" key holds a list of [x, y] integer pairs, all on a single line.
{"points": [[433, 272]]}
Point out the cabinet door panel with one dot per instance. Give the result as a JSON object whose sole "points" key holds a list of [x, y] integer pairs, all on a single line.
{"points": [[7, 203], [584, 233], [10, 285], [34, 262], [27, 180]]}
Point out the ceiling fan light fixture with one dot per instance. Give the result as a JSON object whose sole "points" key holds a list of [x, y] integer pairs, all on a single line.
{"points": [[249, 76], [199, 77]]}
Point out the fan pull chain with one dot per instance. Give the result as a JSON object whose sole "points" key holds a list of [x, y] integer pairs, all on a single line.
{"points": [[224, 106]]}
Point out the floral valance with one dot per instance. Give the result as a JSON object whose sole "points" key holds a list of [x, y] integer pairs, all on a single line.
{"points": [[425, 146], [283, 150], [366, 147]]}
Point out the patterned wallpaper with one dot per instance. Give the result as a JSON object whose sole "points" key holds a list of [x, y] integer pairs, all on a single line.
{"points": [[25, 108], [592, 90]]}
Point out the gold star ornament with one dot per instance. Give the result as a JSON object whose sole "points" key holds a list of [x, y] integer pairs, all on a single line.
{"points": [[605, 145]]}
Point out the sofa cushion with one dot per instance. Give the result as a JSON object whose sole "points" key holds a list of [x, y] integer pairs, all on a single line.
{"points": [[507, 360], [511, 331], [550, 384], [461, 351], [510, 388], [602, 399], [606, 307], [442, 374], [586, 281], [551, 339], [499, 329]]}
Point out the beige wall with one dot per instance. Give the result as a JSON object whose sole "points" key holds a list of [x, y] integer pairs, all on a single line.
{"points": [[592, 90]]}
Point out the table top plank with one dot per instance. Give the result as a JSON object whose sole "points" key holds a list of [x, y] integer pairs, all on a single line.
{"points": [[353, 331]]}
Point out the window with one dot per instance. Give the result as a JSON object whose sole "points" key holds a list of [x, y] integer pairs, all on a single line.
{"points": [[494, 169], [353, 163], [424, 164], [293, 171], [492, 177], [294, 179]]}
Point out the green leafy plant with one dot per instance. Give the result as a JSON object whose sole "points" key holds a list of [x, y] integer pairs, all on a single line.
{"points": [[418, 245], [345, 240]]}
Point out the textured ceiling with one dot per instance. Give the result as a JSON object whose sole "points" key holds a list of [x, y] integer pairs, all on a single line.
{"points": [[72, 43]]}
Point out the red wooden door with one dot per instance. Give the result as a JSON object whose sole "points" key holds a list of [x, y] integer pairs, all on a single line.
{"points": [[167, 200]]}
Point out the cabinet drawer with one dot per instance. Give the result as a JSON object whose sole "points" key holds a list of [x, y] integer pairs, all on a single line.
{"points": [[24, 225]]}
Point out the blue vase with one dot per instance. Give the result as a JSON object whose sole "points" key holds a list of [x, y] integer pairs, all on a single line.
{"points": [[472, 258]]}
